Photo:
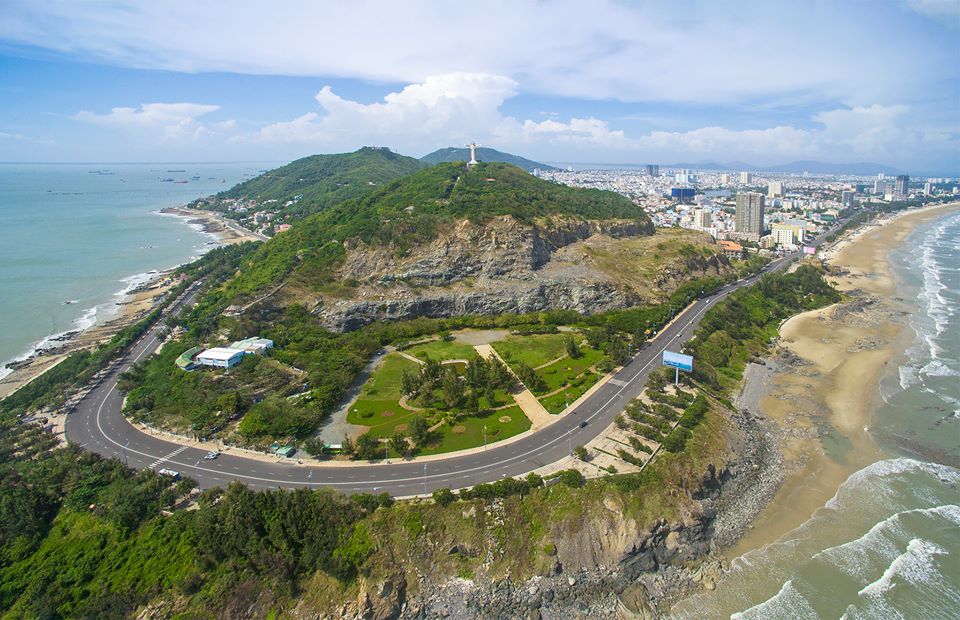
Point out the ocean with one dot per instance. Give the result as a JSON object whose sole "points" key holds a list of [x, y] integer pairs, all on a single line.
{"points": [[887, 545], [75, 237]]}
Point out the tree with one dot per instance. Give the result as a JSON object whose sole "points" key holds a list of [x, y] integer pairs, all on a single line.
{"points": [[399, 444], [530, 378], [419, 430], [314, 447], [452, 388], [347, 446], [581, 453], [571, 346], [367, 448], [409, 383]]}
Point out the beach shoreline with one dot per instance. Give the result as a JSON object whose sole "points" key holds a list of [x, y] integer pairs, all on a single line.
{"points": [[821, 384], [131, 306]]}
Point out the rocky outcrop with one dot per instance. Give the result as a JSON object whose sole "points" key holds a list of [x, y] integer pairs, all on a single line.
{"points": [[500, 266]]}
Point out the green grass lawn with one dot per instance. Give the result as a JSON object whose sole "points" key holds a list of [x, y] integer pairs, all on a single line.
{"points": [[532, 350], [440, 350], [468, 432], [558, 402], [378, 405], [566, 370]]}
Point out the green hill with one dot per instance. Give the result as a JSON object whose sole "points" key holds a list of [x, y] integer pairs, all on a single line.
{"points": [[413, 209], [452, 154], [317, 182]]}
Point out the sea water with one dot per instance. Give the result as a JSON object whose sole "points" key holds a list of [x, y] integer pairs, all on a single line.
{"points": [[75, 237], [887, 545]]}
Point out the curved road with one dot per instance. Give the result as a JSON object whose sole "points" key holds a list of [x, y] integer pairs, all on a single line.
{"points": [[97, 424]]}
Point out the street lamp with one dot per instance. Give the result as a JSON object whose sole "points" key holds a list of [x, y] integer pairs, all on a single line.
{"points": [[424, 478], [484, 436], [570, 441]]}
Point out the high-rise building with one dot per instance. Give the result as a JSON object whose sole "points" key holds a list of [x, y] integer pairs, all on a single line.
{"points": [[928, 188], [653, 170], [725, 179], [774, 189], [702, 218], [846, 199], [746, 178], [749, 216], [901, 186]]}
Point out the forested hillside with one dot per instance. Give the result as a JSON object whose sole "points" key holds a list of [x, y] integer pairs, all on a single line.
{"points": [[319, 181]]}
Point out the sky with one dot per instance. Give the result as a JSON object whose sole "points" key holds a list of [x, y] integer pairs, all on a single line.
{"points": [[556, 81]]}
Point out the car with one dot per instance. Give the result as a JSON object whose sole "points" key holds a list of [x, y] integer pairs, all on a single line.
{"points": [[170, 473], [213, 454], [583, 424]]}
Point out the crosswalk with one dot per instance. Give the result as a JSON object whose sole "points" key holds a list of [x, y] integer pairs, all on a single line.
{"points": [[163, 459], [617, 382]]}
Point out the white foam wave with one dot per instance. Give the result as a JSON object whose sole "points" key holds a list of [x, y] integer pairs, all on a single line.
{"points": [[914, 565], [937, 368], [876, 478], [882, 542], [787, 603]]}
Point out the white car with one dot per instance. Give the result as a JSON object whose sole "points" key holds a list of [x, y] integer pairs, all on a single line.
{"points": [[209, 456], [169, 472]]}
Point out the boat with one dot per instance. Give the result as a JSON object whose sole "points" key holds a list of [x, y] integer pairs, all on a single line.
{"points": [[176, 170], [167, 180], [182, 181], [70, 302]]}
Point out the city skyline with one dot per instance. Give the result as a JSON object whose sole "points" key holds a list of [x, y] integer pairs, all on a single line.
{"points": [[619, 83]]}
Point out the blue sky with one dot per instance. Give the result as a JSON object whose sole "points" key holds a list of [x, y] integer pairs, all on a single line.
{"points": [[559, 81]]}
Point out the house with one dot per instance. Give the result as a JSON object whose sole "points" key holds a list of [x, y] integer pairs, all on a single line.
{"points": [[220, 357], [283, 228], [731, 249], [252, 345]]}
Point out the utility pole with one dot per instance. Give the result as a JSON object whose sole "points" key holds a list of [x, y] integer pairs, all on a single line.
{"points": [[386, 453], [424, 478], [570, 441], [126, 463]]}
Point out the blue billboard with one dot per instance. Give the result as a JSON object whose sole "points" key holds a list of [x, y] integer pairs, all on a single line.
{"points": [[678, 360]]}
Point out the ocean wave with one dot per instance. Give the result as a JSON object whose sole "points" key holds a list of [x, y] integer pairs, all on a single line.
{"points": [[936, 368], [883, 542], [788, 602], [875, 478], [917, 568]]}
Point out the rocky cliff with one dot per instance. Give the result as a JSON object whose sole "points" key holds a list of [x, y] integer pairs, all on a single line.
{"points": [[501, 266]]}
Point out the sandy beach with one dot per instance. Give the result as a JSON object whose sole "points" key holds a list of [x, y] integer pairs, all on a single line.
{"points": [[824, 383], [227, 232], [134, 306]]}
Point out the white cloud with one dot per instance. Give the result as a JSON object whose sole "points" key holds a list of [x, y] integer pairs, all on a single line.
{"points": [[171, 122], [719, 52], [442, 110], [456, 108], [148, 115]]}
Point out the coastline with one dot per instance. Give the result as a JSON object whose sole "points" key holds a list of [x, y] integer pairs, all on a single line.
{"points": [[145, 293], [820, 388]]}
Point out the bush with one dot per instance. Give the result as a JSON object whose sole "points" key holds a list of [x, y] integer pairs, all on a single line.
{"points": [[581, 453], [676, 440], [572, 478], [444, 497]]}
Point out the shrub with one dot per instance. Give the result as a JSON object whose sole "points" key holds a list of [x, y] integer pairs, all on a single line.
{"points": [[444, 497]]}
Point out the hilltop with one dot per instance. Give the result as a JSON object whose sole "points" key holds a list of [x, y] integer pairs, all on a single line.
{"points": [[311, 184], [443, 241], [452, 154]]}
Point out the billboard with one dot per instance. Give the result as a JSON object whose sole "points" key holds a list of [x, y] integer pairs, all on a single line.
{"points": [[809, 249], [678, 360]]}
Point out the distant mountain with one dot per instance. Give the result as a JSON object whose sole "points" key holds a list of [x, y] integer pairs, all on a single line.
{"points": [[452, 154], [813, 167], [320, 181]]}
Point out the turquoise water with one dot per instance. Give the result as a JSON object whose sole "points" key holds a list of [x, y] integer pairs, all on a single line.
{"points": [[68, 233], [887, 545]]}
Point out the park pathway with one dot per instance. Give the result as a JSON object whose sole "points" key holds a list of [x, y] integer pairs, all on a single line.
{"points": [[528, 403]]}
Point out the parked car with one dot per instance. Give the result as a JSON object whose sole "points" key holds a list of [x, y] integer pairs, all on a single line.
{"points": [[213, 454]]}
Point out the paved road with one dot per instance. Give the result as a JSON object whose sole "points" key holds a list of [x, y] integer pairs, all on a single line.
{"points": [[97, 424]]}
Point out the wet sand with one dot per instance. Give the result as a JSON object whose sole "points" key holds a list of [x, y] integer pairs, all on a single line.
{"points": [[227, 232], [823, 397]]}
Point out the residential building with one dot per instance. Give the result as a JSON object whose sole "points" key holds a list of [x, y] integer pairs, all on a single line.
{"points": [[846, 199], [928, 188], [702, 218], [901, 186], [653, 170], [749, 215], [731, 249], [220, 357], [774, 189], [746, 178]]}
